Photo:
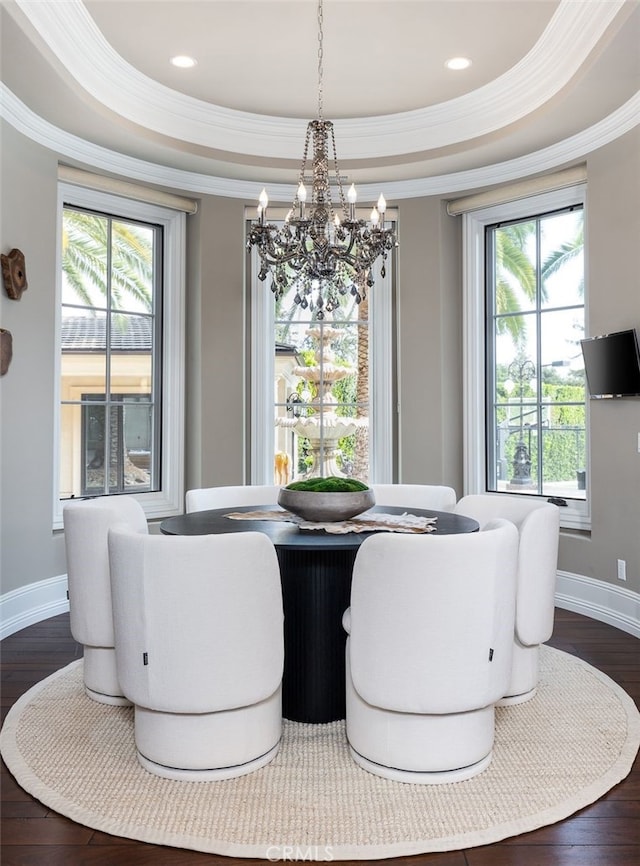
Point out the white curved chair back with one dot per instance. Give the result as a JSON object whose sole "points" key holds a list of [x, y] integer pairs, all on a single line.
{"points": [[429, 652], [425, 613], [204, 498], [431, 496], [86, 527], [200, 649], [538, 525]]}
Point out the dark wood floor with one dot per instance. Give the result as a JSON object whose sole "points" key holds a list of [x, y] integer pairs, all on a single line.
{"points": [[606, 833]]}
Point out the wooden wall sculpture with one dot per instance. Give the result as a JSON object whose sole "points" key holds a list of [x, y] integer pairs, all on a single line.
{"points": [[14, 274], [6, 350]]}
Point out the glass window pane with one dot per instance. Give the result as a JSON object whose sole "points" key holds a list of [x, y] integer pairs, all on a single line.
{"points": [[84, 258], [84, 347], [560, 335], [522, 447], [131, 354], [564, 452], [562, 258], [514, 348], [138, 442], [94, 447], [515, 267], [132, 267]]}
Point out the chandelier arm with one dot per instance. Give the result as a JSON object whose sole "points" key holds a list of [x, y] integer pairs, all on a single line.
{"points": [[285, 260], [272, 248]]}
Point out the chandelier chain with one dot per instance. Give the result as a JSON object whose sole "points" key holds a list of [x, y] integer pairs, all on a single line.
{"points": [[343, 200], [320, 60], [303, 164]]}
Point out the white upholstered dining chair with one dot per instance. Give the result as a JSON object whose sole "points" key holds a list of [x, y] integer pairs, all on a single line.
{"points": [[429, 651], [86, 527], [538, 524], [200, 650], [430, 496], [204, 498]]}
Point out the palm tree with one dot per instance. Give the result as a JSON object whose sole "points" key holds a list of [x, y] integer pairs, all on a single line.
{"points": [[563, 255], [86, 239], [515, 275]]}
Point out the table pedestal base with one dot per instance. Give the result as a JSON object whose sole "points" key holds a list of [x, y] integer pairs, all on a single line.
{"points": [[316, 591]]}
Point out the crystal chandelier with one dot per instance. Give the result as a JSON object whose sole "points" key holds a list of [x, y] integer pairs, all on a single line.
{"points": [[318, 252]]}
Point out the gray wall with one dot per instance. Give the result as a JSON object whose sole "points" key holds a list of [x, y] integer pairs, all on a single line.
{"points": [[29, 551], [216, 344], [613, 238], [430, 344], [429, 365]]}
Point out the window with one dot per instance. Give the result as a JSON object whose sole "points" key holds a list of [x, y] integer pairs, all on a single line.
{"points": [[526, 412], [120, 362], [321, 391]]}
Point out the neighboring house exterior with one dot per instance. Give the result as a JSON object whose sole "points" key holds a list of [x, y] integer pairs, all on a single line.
{"points": [[83, 425]]}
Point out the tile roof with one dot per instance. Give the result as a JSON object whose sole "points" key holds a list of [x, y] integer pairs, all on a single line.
{"points": [[87, 334]]}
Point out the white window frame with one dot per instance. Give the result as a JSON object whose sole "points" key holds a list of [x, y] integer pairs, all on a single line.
{"points": [[169, 499], [262, 429], [577, 514]]}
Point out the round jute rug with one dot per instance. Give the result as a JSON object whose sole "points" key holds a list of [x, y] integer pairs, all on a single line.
{"points": [[553, 755]]}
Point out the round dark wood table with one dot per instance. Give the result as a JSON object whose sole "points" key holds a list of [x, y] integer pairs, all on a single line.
{"points": [[315, 569]]}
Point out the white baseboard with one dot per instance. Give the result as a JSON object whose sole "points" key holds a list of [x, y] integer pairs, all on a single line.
{"points": [[32, 603], [605, 602]]}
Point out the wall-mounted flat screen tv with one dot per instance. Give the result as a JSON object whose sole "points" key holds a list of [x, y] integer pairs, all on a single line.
{"points": [[612, 364]]}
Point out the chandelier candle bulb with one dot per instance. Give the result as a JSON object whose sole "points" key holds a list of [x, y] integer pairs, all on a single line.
{"points": [[382, 206], [302, 197], [352, 197], [263, 201]]}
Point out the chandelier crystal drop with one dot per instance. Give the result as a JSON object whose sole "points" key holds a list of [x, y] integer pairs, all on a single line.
{"points": [[319, 252]]}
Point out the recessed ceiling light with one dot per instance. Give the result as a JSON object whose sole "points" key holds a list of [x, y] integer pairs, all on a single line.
{"points": [[182, 61], [458, 63]]}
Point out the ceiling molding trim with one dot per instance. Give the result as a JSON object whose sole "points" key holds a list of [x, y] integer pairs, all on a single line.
{"points": [[578, 146], [69, 146], [565, 44]]}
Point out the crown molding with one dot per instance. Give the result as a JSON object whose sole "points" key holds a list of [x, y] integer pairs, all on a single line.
{"points": [[73, 36], [76, 150]]}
